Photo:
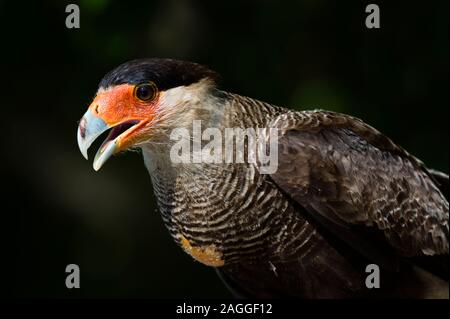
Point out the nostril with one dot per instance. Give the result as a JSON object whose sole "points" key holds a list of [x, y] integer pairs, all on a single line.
{"points": [[83, 127], [96, 109]]}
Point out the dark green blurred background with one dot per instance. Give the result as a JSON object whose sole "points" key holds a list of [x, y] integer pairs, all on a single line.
{"points": [[303, 54]]}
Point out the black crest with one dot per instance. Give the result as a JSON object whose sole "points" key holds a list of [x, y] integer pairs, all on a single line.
{"points": [[165, 73]]}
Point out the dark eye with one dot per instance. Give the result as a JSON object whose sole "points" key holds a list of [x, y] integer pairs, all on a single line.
{"points": [[146, 91]]}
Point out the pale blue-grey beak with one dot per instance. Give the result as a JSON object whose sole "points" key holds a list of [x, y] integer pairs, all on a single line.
{"points": [[89, 129]]}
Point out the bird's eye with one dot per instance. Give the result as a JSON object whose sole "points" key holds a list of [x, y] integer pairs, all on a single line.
{"points": [[146, 91]]}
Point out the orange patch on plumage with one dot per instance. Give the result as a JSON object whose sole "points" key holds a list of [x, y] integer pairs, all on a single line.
{"points": [[208, 255]]}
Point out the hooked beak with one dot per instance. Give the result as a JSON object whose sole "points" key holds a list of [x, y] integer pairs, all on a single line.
{"points": [[91, 127], [117, 109]]}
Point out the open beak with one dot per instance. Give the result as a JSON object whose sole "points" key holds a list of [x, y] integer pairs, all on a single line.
{"points": [[92, 126], [115, 109]]}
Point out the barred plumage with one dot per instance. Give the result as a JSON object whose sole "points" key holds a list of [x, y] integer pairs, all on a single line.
{"points": [[344, 196], [250, 220]]}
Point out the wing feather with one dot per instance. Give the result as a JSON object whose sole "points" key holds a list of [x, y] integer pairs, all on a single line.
{"points": [[340, 168]]}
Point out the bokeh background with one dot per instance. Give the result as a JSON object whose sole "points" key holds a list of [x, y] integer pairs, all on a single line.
{"points": [[304, 54]]}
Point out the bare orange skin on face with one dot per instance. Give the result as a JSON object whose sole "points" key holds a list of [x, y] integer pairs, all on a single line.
{"points": [[118, 105]]}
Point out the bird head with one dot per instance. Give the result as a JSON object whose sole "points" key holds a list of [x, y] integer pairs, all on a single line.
{"points": [[137, 100]]}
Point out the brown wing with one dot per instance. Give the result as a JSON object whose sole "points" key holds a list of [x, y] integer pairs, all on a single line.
{"points": [[351, 176]]}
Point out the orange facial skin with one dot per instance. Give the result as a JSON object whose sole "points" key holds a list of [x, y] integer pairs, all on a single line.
{"points": [[118, 105]]}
